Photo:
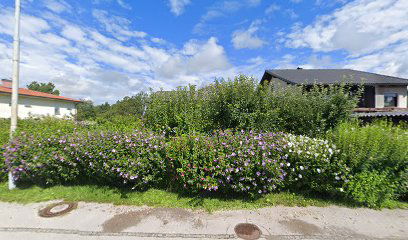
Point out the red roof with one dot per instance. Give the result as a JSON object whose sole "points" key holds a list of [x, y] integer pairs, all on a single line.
{"points": [[27, 92]]}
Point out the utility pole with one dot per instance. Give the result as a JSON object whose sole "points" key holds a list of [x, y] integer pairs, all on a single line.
{"points": [[15, 84]]}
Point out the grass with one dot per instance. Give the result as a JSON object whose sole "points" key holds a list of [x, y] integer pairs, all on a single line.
{"points": [[160, 198]]}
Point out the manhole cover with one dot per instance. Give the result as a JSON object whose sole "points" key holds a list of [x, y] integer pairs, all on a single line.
{"points": [[247, 231], [57, 209]]}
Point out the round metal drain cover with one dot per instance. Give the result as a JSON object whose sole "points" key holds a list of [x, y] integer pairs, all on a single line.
{"points": [[248, 231], [57, 209]]}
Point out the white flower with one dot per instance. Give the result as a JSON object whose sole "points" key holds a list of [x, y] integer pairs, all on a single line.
{"points": [[318, 170], [300, 175], [337, 178], [341, 190], [288, 164], [301, 168]]}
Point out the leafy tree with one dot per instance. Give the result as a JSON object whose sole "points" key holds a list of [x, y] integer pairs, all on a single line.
{"points": [[85, 110], [134, 105], [43, 87]]}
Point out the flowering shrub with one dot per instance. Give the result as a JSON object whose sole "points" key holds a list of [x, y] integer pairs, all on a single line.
{"points": [[110, 158], [240, 162], [313, 165], [229, 162]]}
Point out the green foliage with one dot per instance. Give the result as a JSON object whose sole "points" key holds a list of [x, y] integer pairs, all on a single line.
{"points": [[43, 87], [134, 106], [371, 188], [311, 110], [128, 106], [244, 104], [85, 110], [379, 146], [117, 123], [402, 188], [180, 110]]}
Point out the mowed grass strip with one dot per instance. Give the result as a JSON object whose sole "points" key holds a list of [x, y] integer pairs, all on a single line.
{"points": [[160, 198]]}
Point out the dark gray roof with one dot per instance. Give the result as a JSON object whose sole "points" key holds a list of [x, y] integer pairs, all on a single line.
{"points": [[331, 76], [381, 114]]}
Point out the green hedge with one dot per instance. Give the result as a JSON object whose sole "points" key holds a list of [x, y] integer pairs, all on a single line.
{"points": [[225, 161], [242, 162], [375, 148], [242, 103], [52, 127]]}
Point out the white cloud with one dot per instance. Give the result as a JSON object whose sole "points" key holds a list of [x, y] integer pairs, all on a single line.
{"points": [[291, 13], [271, 9], [254, 2], [73, 33], [57, 6], [117, 26], [195, 58], [87, 63], [177, 6], [359, 27], [247, 38], [372, 33], [221, 9], [123, 4]]}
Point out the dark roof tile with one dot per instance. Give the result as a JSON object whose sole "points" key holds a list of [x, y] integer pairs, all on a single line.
{"points": [[331, 76]]}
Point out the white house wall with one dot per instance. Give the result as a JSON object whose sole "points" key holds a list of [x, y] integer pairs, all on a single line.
{"points": [[36, 106], [400, 90]]}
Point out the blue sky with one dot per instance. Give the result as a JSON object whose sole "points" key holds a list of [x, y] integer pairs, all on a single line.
{"points": [[104, 50]]}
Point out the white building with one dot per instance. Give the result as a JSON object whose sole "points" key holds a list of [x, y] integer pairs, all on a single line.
{"points": [[35, 104]]}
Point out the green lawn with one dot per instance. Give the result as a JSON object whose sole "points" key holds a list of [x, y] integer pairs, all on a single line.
{"points": [[160, 198]]}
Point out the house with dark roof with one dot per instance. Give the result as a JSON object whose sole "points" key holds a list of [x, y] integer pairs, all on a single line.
{"points": [[35, 104], [382, 96]]}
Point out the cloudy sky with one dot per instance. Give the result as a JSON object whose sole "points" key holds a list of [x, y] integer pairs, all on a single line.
{"points": [[106, 49]]}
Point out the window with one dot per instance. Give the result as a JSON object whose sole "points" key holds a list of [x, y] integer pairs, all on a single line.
{"points": [[57, 111], [27, 106], [390, 100]]}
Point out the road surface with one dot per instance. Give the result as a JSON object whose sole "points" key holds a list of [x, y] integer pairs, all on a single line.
{"points": [[106, 222]]}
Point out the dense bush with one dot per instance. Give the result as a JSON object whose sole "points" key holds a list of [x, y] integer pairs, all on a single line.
{"points": [[313, 165], [244, 104], [4, 138], [52, 127], [228, 162], [128, 106], [109, 158], [371, 188], [240, 162], [374, 147], [180, 110]]}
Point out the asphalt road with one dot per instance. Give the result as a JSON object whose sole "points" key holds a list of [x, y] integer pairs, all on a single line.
{"points": [[106, 222]]}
